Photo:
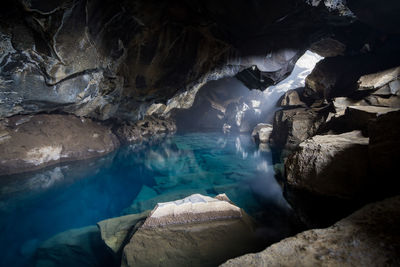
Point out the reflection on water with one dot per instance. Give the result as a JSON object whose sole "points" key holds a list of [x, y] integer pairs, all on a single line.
{"points": [[36, 206]]}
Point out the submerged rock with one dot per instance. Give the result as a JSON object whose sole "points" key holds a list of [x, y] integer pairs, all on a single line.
{"points": [[76, 247], [194, 231], [330, 165], [262, 132], [368, 237], [116, 232], [33, 142]]}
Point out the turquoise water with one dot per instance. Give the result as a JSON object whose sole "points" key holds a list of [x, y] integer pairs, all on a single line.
{"points": [[36, 206]]}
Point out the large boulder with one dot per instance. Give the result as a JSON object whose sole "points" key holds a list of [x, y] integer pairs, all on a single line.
{"points": [[384, 82], [32, 142], [194, 231], [292, 99], [291, 127], [330, 165], [369, 237]]}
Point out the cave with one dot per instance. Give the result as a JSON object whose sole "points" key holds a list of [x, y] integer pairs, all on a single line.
{"points": [[199, 133]]}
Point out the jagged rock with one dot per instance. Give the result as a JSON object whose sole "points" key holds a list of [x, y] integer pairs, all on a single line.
{"points": [[338, 76], [195, 231], [341, 103], [292, 99], [33, 142], [358, 117], [76, 247], [293, 126], [368, 237], [149, 127], [328, 47], [384, 147], [392, 101], [326, 165], [262, 132], [381, 81], [116, 232]]}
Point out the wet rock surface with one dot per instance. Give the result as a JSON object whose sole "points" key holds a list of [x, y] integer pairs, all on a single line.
{"points": [[145, 129], [367, 237], [32, 142], [76, 247]]}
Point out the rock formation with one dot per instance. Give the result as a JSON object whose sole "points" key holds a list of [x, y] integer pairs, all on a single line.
{"points": [[368, 237], [196, 231], [32, 142]]}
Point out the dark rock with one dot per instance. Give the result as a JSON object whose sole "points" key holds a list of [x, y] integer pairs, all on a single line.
{"points": [[325, 165], [328, 47], [76, 247], [145, 129], [380, 16], [292, 99], [33, 142], [384, 147], [359, 117], [368, 237], [293, 126]]}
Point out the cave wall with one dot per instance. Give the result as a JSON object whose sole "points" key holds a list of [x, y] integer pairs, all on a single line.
{"points": [[112, 59]]}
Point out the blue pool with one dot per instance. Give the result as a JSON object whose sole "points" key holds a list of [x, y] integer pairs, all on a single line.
{"points": [[36, 206]]}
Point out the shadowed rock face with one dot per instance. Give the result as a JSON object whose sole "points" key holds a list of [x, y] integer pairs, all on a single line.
{"points": [[108, 59], [368, 237]]}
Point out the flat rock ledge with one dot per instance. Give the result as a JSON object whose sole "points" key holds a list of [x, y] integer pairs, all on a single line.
{"points": [[29, 143], [368, 237]]}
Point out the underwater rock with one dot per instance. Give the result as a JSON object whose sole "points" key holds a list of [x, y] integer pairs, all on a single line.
{"points": [[262, 132], [196, 231], [149, 127], [76, 247], [293, 126], [368, 237], [116, 231], [33, 142], [330, 165]]}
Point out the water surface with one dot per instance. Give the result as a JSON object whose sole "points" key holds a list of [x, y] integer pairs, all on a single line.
{"points": [[36, 206]]}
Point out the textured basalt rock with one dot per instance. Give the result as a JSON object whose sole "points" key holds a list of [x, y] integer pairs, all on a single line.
{"points": [[293, 126], [145, 129], [325, 165], [368, 237], [33, 142], [195, 231], [106, 59]]}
